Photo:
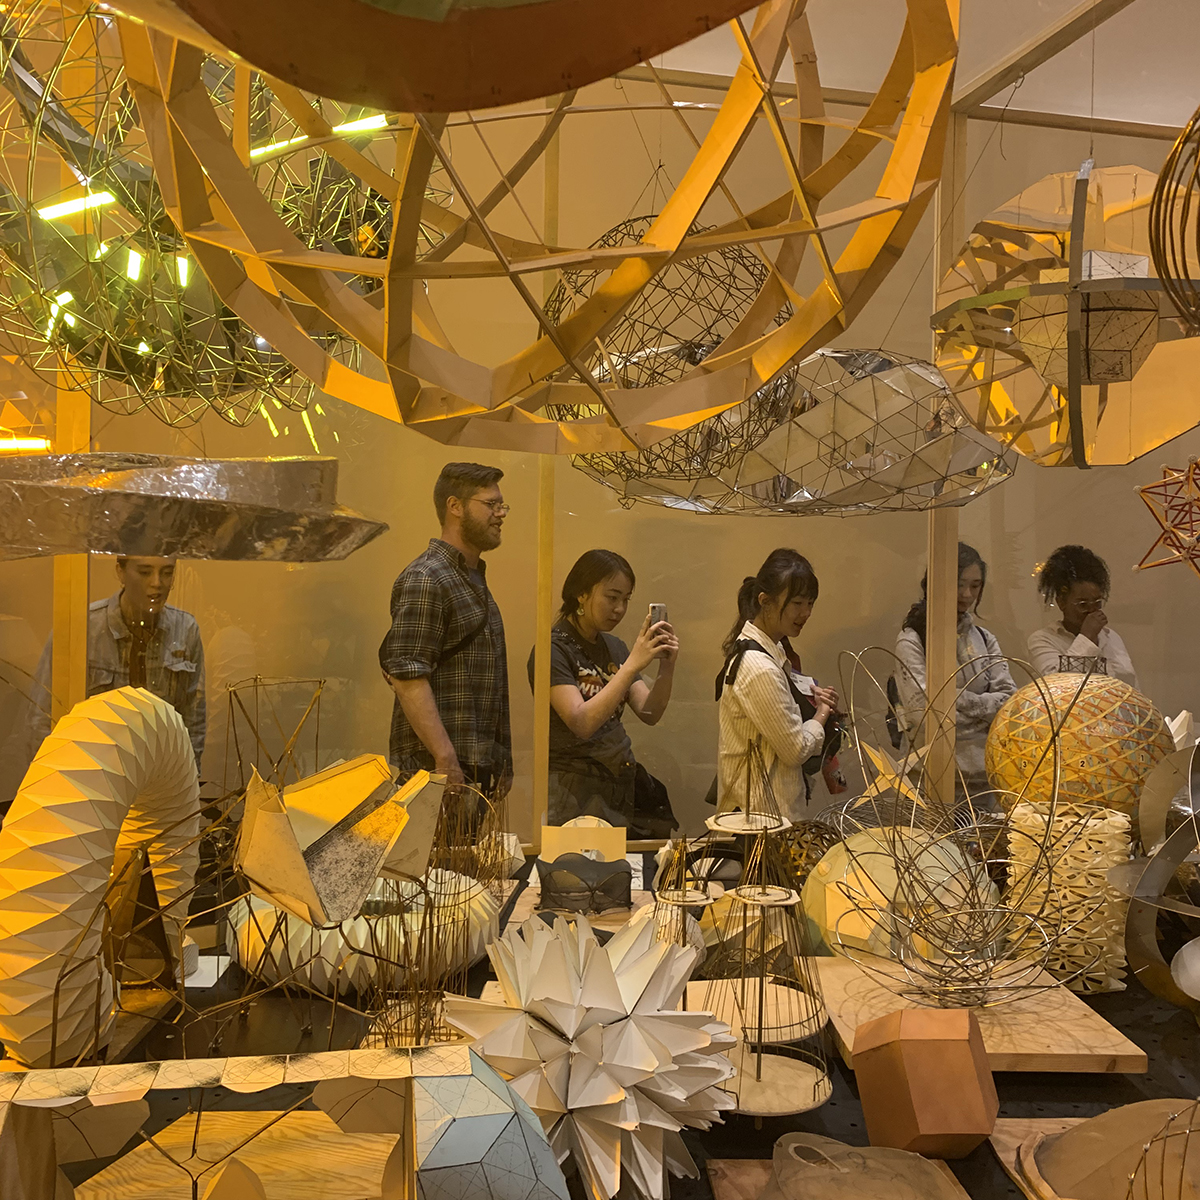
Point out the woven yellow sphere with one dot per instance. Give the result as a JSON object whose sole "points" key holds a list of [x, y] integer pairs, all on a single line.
{"points": [[1111, 740]]}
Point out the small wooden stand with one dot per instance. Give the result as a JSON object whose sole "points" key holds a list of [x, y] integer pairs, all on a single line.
{"points": [[1050, 1030]]}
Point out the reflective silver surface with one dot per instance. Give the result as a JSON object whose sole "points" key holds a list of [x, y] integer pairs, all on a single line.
{"points": [[247, 509]]}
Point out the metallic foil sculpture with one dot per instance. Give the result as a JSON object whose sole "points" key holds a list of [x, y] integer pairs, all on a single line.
{"points": [[1055, 336], [316, 847], [1174, 502], [1111, 736], [248, 509], [844, 432], [593, 1040], [438, 55], [284, 288], [1175, 224]]}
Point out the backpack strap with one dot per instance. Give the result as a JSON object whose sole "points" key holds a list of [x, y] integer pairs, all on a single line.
{"points": [[728, 673]]}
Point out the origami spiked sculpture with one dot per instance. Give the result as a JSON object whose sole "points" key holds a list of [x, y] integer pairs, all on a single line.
{"points": [[116, 772], [316, 848], [590, 1038]]}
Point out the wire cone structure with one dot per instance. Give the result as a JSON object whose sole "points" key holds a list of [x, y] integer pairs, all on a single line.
{"points": [[757, 975]]}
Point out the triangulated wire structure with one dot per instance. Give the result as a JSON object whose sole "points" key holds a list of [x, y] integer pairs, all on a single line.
{"points": [[962, 905], [1174, 502], [841, 433], [1055, 335], [1175, 224]]}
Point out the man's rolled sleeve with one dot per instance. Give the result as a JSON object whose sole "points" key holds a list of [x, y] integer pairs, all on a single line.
{"points": [[413, 645]]}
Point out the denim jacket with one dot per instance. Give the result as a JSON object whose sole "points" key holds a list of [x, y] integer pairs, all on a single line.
{"points": [[174, 666]]}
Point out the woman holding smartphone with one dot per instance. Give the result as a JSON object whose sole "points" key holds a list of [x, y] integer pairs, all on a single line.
{"points": [[772, 719], [593, 677]]}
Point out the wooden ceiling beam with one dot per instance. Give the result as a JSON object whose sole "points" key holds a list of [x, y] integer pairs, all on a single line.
{"points": [[1066, 31]]}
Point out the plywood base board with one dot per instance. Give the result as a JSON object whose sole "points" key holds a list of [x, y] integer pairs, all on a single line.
{"points": [[746, 1178], [1010, 1132], [1049, 1030], [302, 1156]]}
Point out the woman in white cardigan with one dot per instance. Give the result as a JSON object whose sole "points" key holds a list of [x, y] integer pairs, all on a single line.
{"points": [[770, 714], [984, 680], [1076, 580]]}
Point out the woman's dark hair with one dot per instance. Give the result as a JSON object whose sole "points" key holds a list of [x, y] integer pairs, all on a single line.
{"points": [[591, 567], [1068, 565], [785, 571], [968, 556]]}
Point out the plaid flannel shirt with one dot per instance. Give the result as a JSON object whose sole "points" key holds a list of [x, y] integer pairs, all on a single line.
{"points": [[435, 605]]}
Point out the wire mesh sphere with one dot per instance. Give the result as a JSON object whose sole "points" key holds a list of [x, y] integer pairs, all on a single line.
{"points": [[100, 291], [1175, 224], [1110, 738], [843, 432], [677, 320]]}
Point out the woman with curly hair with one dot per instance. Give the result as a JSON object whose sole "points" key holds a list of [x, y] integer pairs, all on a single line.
{"points": [[1077, 582]]}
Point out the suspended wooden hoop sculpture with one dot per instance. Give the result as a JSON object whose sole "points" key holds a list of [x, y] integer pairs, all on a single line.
{"points": [[117, 771], [283, 289]]}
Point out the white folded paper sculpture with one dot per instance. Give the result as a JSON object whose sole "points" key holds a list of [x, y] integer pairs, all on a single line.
{"points": [[116, 772], [590, 1038]]}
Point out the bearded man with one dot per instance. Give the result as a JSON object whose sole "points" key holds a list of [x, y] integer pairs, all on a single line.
{"points": [[444, 655]]}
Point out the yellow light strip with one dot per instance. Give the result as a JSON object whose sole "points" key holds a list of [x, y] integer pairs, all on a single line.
{"points": [[312, 437], [362, 125], [23, 445], [69, 207]]}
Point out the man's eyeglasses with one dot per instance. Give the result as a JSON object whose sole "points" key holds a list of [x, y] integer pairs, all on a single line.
{"points": [[497, 506]]}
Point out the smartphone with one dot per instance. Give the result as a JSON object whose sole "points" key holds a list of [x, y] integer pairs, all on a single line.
{"points": [[658, 612]]}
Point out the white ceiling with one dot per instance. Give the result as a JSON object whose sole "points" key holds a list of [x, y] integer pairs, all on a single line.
{"points": [[1145, 61]]}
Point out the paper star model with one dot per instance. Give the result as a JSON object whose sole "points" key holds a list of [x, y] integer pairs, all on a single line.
{"points": [[589, 1036], [1175, 503]]}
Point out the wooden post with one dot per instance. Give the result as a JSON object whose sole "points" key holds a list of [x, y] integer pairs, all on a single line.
{"points": [[941, 613], [545, 544], [541, 661], [68, 663]]}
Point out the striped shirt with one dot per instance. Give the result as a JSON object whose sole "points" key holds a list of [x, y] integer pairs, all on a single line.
{"points": [[758, 709], [437, 605]]}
